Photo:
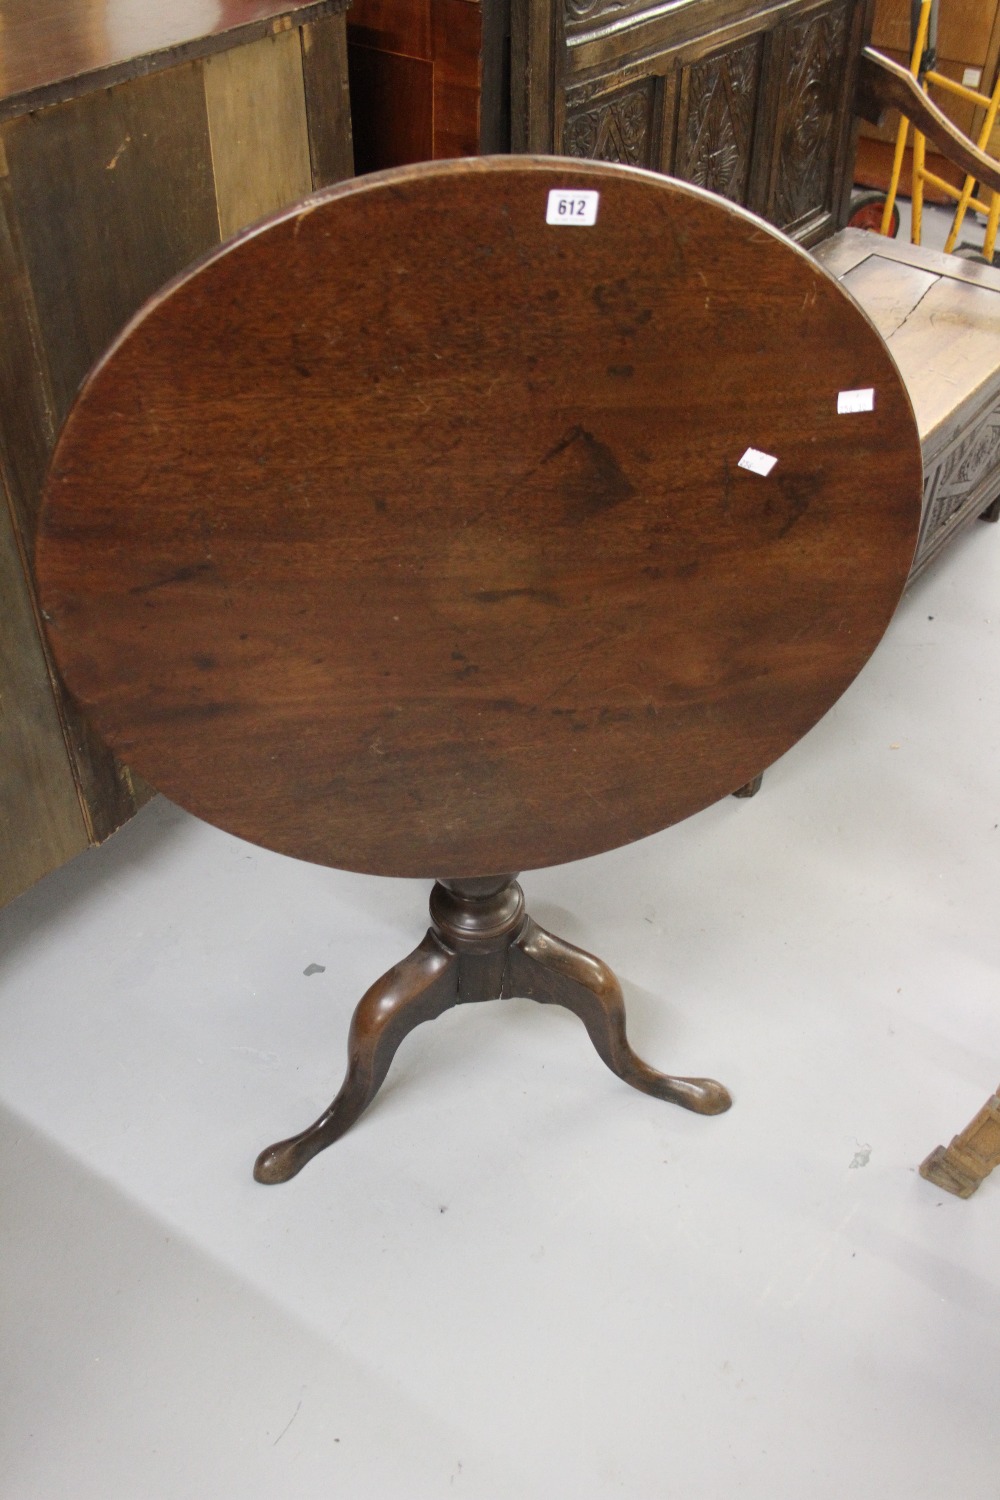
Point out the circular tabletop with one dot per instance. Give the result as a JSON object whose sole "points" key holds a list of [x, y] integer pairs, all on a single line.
{"points": [[478, 516]]}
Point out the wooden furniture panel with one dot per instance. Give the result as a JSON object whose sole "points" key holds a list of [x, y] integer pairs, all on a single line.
{"points": [[41, 816], [59, 49], [814, 83], [328, 100], [402, 27], [259, 141], [750, 101], [392, 108], [112, 179], [940, 317], [26, 400], [427, 79], [76, 172], [717, 114], [456, 39]]}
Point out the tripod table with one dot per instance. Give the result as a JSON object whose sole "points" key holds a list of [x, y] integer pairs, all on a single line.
{"points": [[475, 517]]}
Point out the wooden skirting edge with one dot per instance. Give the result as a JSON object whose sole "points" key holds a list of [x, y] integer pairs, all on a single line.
{"points": [[972, 1155]]}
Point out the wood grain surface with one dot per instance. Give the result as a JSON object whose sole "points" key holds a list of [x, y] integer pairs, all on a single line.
{"points": [[408, 533], [41, 821], [256, 107], [77, 175], [940, 318], [51, 50], [328, 100]]}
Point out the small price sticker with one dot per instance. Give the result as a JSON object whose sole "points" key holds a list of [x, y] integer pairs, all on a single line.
{"points": [[572, 206], [850, 401], [757, 462]]}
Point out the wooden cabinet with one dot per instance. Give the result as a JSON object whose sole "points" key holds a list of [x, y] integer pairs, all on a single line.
{"points": [[751, 101], [128, 147]]}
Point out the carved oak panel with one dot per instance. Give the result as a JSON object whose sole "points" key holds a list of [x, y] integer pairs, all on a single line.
{"points": [[618, 128], [715, 131], [750, 99], [588, 12], [815, 62], [961, 482]]}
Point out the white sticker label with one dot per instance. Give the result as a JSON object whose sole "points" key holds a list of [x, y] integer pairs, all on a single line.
{"points": [[972, 77], [757, 462], [572, 206], [848, 401]]}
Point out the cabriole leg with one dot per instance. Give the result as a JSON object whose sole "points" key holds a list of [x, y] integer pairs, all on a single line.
{"points": [[419, 989], [545, 968]]}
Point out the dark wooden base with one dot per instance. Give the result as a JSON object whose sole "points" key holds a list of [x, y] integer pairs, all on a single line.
{"points": [[481, 945]]}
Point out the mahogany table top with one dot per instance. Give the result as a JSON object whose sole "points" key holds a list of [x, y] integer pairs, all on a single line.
{"points": [[414, 534]]}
